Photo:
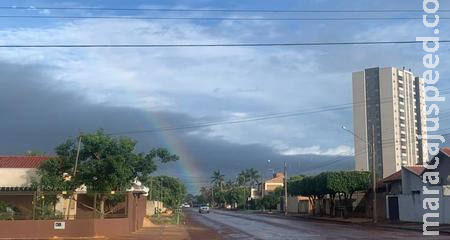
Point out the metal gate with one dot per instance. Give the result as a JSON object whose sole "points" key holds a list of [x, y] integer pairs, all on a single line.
{"points": [[393, 208]]}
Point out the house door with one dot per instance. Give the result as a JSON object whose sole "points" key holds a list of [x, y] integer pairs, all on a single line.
{"points": [[393, 208]]}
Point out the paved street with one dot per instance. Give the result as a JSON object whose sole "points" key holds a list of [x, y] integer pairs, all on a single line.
{"points": [[231, 225], [225, 225]]}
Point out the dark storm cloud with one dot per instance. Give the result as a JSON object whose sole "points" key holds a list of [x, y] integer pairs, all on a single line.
{"points": [[38, 115]]}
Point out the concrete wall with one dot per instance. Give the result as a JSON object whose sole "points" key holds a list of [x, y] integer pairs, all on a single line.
{"points": [[411, 182], [153, 206], [87, 228], [411, 207], [16, 177], [293, 204]]}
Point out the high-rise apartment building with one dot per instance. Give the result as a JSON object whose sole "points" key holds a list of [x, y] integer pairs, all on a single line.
{"points": [[388, 112]]}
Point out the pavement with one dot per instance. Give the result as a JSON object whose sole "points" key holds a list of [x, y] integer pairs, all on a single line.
{"points": [[246, 226], [411, 226]]}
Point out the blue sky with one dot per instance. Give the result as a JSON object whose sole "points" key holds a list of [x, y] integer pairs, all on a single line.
{"points": [[214, 84]]}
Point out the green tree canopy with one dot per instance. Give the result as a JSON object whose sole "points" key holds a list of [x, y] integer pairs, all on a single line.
{"points": [[171, 191], [218, 178], [105, 164]]}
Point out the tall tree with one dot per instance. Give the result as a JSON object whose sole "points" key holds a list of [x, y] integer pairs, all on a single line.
{"points": [[253, 176], [249, 177], [218, 178], [171, 191], [105, 164]]}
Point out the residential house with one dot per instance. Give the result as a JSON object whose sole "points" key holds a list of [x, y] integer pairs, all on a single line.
{"points": [[405, 191], [268, 186], [18, 171], [17, 174]]}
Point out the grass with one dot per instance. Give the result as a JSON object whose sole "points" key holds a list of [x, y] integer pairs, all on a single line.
{"points": [[167, 220]]}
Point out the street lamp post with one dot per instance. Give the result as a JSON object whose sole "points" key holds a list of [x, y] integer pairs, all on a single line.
{"points": [[373, 170]]}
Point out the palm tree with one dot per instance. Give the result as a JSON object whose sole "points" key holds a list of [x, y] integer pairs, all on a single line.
{"points": [[218, 178], [242, 178], [252, 176]]}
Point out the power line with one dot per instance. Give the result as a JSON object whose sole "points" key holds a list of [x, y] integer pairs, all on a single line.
{"points": [[217, 18], [260, 117], [209, 124], [298, 44], [218, 10]]}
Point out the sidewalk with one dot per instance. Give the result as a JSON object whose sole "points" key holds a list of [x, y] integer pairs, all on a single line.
{"points": [[310, 217], [411, 226], [445, 229], [161, 232]]}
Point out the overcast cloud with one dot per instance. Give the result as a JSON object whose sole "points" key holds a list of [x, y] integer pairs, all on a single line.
{"points": [[51, 94]]}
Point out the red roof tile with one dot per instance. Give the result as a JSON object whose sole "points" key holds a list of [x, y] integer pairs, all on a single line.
{"points": [[22, 161], [446, 150], [418, 170], [397, 176]]}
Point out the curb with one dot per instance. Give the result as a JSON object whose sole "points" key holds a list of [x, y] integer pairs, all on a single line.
{"points": [[370, 224], [446, 232]]}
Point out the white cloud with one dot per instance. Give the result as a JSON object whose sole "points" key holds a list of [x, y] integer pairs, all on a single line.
{"points": [[212, 84], [317, 150]]}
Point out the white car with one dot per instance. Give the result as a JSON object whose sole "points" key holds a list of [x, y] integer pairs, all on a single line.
{"points": [[203, 208]]}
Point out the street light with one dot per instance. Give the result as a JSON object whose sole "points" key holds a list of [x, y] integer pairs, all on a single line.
{"points": [[373, 172]]}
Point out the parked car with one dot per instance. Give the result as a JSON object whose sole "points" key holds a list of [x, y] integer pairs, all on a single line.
{"points": [[203, 208]]}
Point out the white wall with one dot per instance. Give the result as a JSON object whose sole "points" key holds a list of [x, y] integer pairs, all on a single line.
{"points": [[411, 207], [16, 177], [153, 206]]}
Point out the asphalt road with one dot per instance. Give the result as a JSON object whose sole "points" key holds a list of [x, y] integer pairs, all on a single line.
{"points": [[234, 225]]}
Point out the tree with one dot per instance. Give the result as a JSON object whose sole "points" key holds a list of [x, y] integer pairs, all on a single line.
{"points": [[341, 184], [171, 191], [345, 183], [312, 187], [105, 164], [249, 177], [34, 153], [218, 178], [269, 201]]}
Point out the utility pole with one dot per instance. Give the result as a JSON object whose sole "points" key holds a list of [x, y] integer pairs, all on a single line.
{"points": [[151, 188], [373, 170], [74, 173], [212, 196], [78, 156], [160, 189], [374, 178], [285, 188]]}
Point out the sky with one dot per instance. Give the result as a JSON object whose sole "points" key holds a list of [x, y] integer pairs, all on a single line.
{"points": [[49, 95]]}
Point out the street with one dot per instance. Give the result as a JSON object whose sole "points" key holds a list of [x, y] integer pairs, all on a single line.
{"points": [[232, 225]]}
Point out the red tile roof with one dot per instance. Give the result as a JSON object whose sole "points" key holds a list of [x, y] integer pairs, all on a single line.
{"points": [[418, 170], [446, 150], [397, 176], [22, 161]]}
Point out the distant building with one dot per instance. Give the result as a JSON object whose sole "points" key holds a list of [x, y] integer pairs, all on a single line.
{"points": [[389, 103], [268, 186]]}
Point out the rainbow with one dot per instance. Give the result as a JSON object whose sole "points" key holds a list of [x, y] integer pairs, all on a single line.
{"points": [[186, 166]]}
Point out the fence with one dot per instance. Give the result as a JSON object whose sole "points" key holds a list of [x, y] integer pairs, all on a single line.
{"points": [[26, 215], [34, 205]]}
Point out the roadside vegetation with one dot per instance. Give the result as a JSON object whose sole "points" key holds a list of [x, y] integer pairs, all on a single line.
{"points": [[102, 164], [337, 185]]}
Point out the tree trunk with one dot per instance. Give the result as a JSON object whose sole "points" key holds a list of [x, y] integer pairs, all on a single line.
{"points": [[332, 205], [102, 207]]}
